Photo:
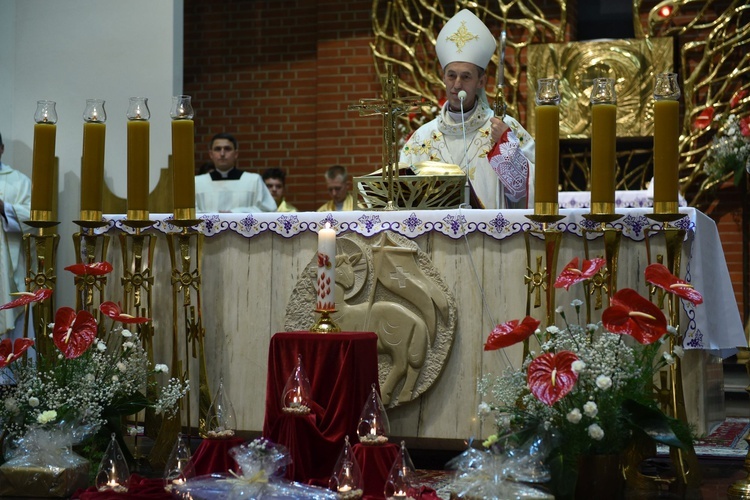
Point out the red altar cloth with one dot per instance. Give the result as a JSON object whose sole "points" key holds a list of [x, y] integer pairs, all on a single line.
{"points": [[213, 455], [341, 368]]}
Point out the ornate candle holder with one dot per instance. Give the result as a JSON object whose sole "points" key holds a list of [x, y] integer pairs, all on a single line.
{"points": [[542, 277], [113, 471], [605, 282], [90, 247], [685, 461], [137, 250], [41, 249], [325, 323]]}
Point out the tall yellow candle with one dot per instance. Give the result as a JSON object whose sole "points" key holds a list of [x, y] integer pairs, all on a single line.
{"points": [[603, 157], [183, 157], [92, 168], [43, 161], [183, 164], [138, 158], [138, 168], [666, 143], [547, 141]]}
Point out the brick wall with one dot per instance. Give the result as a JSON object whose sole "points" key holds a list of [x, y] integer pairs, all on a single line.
{"points": [[279, 75]]}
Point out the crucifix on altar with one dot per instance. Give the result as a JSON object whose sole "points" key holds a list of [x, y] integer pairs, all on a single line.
{"points": [[390, 107]]}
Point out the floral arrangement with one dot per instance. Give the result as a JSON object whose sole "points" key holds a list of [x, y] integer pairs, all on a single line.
{"points": [[95, 375], [589, 386], [730, 148]]}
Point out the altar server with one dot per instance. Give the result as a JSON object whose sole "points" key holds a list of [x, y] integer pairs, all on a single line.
{"points": [[15, 207], [496, 154], [227, 188]]}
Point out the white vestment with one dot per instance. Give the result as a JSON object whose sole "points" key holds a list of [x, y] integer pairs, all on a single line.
{"points": [[15, 191], [442, 140], [246, 194]]}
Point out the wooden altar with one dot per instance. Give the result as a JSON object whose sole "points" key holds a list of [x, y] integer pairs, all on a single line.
{"points": [[252, 262]]}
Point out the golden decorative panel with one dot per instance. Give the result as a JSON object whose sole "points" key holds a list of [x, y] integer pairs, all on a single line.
{"points": [[632, 63]]}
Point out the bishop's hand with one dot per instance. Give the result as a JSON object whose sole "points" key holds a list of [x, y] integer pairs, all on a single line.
{"points": [[498, 128]]}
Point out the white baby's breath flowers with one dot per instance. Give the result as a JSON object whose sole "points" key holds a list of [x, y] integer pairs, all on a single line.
{"points": [[60, 356], [578, 366], [595, 432], [678, 351], [161, 368], [603, 382], [668, 358], [33, 402], [590, 409], [90, 377], [46, 417], [127, 333], [574, 416]]}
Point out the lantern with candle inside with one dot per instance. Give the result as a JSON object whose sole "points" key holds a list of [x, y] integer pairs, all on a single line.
{"points": [[346, 479], [295, 399], [113, 471], [179, 466], [221, 420], [401, 480], [325, 284], [43, 161], [92, 166], [603, 145], [666, 143], [373, 427], [138, 158], [183, 158]]}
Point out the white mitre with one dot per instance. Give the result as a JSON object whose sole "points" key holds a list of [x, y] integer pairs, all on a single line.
{"points": [[465, 38]]}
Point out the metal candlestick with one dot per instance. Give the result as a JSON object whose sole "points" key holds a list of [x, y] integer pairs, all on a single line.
{"points": [[542, 279], [605, 281], [90, 248], [325, 323]]}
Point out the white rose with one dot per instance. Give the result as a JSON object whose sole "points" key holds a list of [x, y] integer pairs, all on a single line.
{"points": [[559, 309], [122, 367], [10, 404], [553, 329], [668, 358], [603, 382], [574, 416], [590, 409], [90, 377], [46, 416], [161, 368], [596, 432], [115, 378], [576, 303], [484, 409], [678, 351], [126, 333], [33, 402], [101, 346], [127, 345], [577, 366]]}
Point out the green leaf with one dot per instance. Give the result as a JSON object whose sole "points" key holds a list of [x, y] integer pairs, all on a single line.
{"points": [[126, 405], [739, 174], [653, 422]]}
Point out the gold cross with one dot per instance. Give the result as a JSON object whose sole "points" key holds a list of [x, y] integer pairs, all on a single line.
{"points": [[390, 107], [461, 37], [536, 281]]}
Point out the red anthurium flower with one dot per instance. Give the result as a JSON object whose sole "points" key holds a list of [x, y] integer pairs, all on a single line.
{"points": [[659, 275], [551, 376], [745, 126], [633, 315], [10, 353], [27, 298], [704, 119], [571, 275], [510, 333], [95, 269], [73, 333], [736, 98], [114, 311]]}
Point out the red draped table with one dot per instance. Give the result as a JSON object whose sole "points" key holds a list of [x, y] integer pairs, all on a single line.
{"points": [[341, 368]]}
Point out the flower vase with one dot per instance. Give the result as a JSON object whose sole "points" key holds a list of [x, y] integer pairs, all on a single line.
{"points": [[599, 476]]}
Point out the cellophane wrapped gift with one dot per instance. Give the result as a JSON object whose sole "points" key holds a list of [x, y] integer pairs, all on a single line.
{"points": [[262, 465], [43, 464]]}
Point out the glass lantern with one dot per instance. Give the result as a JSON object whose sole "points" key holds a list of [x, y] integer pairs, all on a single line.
{"points": [[113, 471], [222, 420], [179, 466], [347, 476], [373, 427], [295, 399], [402, 477]]}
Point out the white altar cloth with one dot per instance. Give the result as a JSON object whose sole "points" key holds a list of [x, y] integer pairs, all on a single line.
{"points": [[714, 325]]}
